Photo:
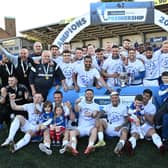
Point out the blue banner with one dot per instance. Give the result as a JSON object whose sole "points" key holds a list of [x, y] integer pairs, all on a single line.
{"points": [[102, 97], [158, 39], [122, 12]]}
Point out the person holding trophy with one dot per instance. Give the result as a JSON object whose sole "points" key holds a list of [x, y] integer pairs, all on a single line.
{"points": [[135, 69]]}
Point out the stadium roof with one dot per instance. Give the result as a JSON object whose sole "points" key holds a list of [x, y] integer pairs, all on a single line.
{"points": [[47, 33]]}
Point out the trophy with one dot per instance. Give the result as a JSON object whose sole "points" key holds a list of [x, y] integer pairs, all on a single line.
{"points": [[130, 78], [123, 78]]}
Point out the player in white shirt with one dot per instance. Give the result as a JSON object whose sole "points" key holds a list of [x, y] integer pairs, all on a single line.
{"points": [[116, 123], [68, 69], [84, 75], [78, 58], [136, 114], [55, 53], [67, 46], [100, 58], [88, 110], [135, 68], [140, 51], [162, 55], [108, 49], [147, 125], [151, 68], [28, 126], [92, 54], [124, 50], [112, 67]]}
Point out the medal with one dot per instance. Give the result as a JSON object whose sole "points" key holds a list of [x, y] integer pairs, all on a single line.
{"points": [[10, 72], [24, 69], [46, 71], [46, 77]]}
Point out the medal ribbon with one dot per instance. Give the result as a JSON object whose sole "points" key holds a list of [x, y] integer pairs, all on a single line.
{"points": [[23, 67], [46, 70], [10, 72]]}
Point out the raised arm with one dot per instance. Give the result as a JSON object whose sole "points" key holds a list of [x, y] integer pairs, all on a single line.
{"points": [[31, 80], [77, 107], [11, 57], [14, 106]]}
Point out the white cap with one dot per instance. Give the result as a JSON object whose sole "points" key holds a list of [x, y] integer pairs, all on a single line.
{"points": [[114, 93]]}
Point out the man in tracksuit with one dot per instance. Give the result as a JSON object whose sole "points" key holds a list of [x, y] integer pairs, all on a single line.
{"points": [[42, 75]]}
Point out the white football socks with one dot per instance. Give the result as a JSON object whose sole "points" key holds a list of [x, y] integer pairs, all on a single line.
{"points": [[122, 141], [90, 143], [24, 141], [13, 128], [157, 140], [64, 142], [133, 142], [73, 144], [100, 136]]}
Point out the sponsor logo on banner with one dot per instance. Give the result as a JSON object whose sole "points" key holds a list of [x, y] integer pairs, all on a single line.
{"points": [[123, 15], [122, 12], [102, 101], [158, 39]]}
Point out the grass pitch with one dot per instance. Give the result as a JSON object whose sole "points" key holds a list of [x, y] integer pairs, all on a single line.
{"points": [[146, 156]]}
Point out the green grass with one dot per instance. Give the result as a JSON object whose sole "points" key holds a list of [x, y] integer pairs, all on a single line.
{"points": [[146, 156]]}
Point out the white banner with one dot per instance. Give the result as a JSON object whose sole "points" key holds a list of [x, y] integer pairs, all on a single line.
{"points": [[122, 12], [72, 29], [161, 19], [80, 23]]}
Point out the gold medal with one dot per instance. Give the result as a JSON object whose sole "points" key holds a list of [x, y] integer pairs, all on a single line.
{"points": [[46, 77], [46, 71], [24, 69], [10, 71]]}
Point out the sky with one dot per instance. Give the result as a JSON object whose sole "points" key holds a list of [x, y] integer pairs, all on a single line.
{"points": [[35, 13]]}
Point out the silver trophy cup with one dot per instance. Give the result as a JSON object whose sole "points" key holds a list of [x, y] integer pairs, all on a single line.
{"points": [[123, 78]]}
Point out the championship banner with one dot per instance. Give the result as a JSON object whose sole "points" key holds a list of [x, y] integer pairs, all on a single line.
{"points": [[160, 2], [122, 12], [72, 29], [161, 19]]}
